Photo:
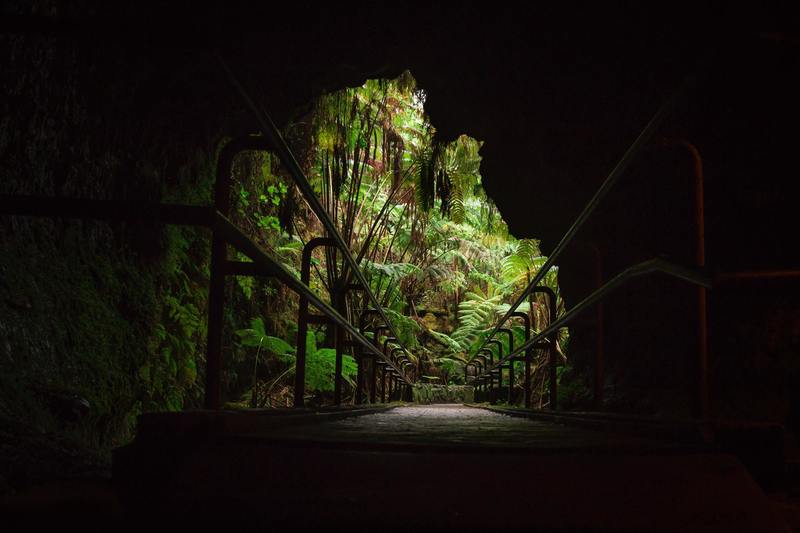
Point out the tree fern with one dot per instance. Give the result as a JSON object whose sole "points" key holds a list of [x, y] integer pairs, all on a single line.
{"points": [[391, 270], [406, 327], [460, 164], [523, 262], [456, 205], [502, 309], [475, 314]]}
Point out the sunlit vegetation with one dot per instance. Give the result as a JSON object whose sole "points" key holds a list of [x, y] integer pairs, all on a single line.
{"points": [[432, 245]]}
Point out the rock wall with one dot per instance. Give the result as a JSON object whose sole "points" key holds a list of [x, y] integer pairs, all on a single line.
{"points": [[426, 393]]}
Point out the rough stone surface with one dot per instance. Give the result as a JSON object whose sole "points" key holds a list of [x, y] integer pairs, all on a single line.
{"points": [[427, 393]]}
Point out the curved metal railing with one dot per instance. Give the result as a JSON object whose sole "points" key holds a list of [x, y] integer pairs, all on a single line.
{"points": [[278, 144], [641, 141], [647, 267]]}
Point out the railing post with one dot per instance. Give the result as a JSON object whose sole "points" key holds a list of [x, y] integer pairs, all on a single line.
{"points": [[339, 297], [486, 388], [553, 338], [219, 253], [481, 383], [499, 345], [358, 354], [392, 382], [476, 365], [599, 351], [375, 363], [373, 379], [340, 303], [510, 334], [703, 395], [702, 293], [490, 363], [302, 320], [362, 327], [526, 320], [383, 382]]}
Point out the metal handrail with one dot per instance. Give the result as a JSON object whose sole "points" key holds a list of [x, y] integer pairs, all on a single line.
{"points": [[647, 267], [640, 142], [271, 132], [244, 244], [110, 210], [107, 210]]}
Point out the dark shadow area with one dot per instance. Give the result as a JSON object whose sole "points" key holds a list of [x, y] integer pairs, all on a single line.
{"points": [[131, 104]]}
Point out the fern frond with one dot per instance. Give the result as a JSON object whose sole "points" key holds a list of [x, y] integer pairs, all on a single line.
{"points": [[446, 340]]}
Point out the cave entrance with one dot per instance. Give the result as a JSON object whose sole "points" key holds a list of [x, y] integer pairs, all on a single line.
{"points": [[433, 247]]}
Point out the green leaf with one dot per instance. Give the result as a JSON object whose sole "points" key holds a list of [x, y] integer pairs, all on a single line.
{"points": [[145, 372], [277, 346], [449, 364], [502, 309], [311, 342], [321, 368], [446, 340], [189, 375], [254, 335]]}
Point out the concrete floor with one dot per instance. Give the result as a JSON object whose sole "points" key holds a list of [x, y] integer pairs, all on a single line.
{"points": [[442, 466], [452, 425]]}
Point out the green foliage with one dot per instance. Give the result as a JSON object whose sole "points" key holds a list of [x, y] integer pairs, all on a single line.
{"points": [[428, 393], [320, 363], [414, 213], [523, 262], [321, 368], [446, 341], [502, 308], [454, 281], [311, 342], [475, 314], [412, 210], [178, 340], [391, 270], [407, 328], [460, 165], [452, 369], [256, 336]]}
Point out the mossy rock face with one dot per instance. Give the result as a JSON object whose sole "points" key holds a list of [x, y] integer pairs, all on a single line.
{"points": [[426, 393], [430, 321], [98, 321]]}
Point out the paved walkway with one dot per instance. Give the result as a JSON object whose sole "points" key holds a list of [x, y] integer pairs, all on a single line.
{"points": [[436, 466], [456, 425]]}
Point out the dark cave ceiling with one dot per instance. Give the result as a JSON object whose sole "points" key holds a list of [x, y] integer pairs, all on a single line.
{"points": [[557, 95]]}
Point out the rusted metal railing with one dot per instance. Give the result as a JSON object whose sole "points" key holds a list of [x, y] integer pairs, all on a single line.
{"points": [[263, 264], [536, 282], [647, 267]]}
